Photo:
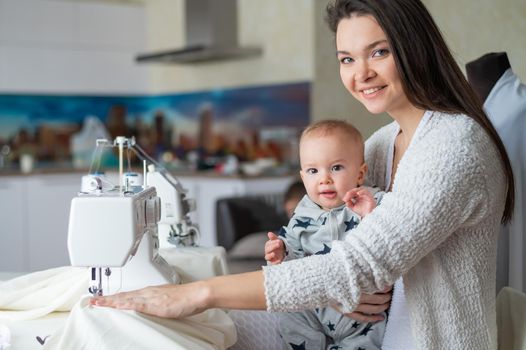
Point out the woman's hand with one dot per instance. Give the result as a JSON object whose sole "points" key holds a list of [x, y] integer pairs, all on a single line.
{"points": [[371, 306], [169, 301]]}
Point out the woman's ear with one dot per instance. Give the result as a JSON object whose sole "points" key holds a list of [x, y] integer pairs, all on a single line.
{"points": [[362, 173]]}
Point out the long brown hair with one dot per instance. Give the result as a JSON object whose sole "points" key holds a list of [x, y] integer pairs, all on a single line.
{"points": [[430, 77]]}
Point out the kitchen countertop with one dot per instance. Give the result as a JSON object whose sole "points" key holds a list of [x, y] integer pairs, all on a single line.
{"points": [[178, 173]]}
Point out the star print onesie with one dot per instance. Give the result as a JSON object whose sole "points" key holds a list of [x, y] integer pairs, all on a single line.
{"points": [[311, 231]]}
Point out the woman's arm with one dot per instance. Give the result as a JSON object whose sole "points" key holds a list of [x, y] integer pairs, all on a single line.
{"points": [[241, 291]]}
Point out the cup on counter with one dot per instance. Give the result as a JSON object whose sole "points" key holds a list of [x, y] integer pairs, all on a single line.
{"points": [[27, 161]]}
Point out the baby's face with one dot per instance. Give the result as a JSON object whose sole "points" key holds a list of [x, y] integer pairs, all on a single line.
{"points": [[329, 168]]}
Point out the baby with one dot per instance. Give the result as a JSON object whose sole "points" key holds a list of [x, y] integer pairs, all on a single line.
{"points": [[332, 164]]}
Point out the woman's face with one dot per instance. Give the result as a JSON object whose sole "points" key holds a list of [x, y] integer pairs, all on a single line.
{"points": [[367, 66]]}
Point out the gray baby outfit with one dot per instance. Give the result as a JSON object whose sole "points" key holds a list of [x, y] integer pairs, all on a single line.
{"points": [[311, 231]]}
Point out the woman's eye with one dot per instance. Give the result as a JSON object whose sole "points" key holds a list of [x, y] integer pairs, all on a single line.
{"points": [[311, 171], [337, 167], [346, 60], [380, 52]]}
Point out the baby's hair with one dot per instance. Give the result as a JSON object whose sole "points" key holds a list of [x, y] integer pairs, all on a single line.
{"points": [[331, 126]]}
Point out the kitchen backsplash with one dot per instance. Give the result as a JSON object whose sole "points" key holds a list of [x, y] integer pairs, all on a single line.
{"points": [[203, 127]]}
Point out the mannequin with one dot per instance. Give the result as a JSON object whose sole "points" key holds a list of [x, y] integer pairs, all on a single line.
{"points": [[504, 97], [484, 72]]}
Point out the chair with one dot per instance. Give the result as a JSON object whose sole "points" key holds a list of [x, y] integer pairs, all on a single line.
{"points": [[242, 224], [511, 319]]}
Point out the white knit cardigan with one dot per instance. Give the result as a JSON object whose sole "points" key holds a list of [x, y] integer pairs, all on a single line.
{"points": [[438, 228]]}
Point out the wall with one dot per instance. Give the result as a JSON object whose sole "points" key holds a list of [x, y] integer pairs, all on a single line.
{"points": [[283, 29], [474, 28], [471, 28], [71, 47]]}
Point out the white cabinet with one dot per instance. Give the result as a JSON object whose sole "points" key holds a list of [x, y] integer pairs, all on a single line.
{"points": [[48, 201], [34, 213], [57, 46], [13, 236]]}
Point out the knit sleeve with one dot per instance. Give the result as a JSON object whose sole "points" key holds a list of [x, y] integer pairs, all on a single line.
{"points": [[439, 187]]}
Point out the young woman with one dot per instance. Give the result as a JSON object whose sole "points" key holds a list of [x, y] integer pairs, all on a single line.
{"points": [[449, 185]]}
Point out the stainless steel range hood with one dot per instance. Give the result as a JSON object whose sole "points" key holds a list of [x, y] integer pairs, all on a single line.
{"points": [[211, 34]]}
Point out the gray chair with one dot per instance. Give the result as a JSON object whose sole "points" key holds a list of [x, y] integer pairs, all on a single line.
{"points": [[242, 224]]}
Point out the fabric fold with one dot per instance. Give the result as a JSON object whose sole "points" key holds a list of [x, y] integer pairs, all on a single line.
{"points": [[99, 328], [40, 293]]}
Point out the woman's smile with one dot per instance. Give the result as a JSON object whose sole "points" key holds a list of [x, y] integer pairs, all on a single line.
{"points": [[372, 92]]}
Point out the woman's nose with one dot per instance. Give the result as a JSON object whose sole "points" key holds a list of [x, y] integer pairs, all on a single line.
{"points": [[363, 71]]}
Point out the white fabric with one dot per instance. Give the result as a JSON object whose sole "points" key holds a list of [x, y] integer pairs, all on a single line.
{"points": [[98, 328], [40, 293], [5, 337], [25, 334], [196, 263], [29, 297], [438, 228], [506, 107]]}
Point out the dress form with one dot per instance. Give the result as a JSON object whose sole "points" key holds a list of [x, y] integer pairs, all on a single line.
{"points": [[484, 72]]}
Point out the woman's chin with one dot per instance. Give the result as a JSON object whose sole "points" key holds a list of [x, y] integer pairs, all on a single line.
{"points": [[375, 109]]}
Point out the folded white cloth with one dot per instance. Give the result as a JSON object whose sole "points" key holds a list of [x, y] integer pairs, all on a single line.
{"points": [[40, 293], [98, 328], [196, 263]]}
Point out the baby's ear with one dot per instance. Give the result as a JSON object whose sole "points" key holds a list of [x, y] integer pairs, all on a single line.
{"points": [[362, 173]]}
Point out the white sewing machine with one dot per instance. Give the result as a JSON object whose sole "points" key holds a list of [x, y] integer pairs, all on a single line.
{"points": [[114, 229]]}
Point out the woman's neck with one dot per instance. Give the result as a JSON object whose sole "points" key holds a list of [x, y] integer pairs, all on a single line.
{"points": [[408, 121]]}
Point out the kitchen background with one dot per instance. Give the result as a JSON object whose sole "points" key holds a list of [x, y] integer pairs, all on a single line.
{"points": [[68, 68], [62, 61], [249, 124]]}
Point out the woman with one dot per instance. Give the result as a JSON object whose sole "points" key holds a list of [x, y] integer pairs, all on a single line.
{"points": [[449, 186]]}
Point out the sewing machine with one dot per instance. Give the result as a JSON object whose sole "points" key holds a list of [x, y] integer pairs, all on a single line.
{"points": [[117, 231]]}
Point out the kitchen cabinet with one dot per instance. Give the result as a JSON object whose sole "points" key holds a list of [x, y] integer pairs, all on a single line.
{"points": [[48, 200], [13, 236]]}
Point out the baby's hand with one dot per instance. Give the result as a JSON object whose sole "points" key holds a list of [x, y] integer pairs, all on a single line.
{"points": [[274, 249], [360, 200]]}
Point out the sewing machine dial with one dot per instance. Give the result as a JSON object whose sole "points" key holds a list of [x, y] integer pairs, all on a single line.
{"points": [[153, 212]]}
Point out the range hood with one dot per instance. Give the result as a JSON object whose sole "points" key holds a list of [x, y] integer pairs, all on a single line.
{"points": [[211, 35]]}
